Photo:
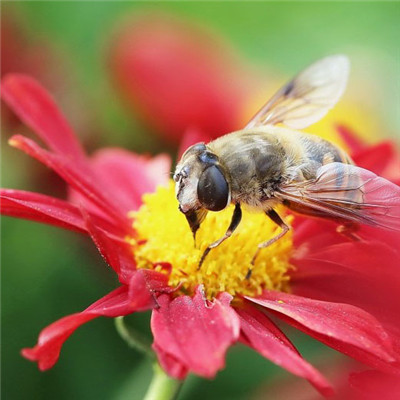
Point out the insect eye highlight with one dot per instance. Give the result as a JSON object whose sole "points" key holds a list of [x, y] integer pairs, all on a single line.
{"points": [[207, 157]]}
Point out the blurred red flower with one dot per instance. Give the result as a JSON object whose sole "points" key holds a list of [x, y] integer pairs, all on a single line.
{"points": [[342, 293], [178, 76], [350, 380]]}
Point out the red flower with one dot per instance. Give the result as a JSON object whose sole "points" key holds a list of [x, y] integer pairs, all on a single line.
{"points": [[350, 379], [341, 292], [178, 76]]}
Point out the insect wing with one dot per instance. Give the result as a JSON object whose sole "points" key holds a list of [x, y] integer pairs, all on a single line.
{"points": [[349, 192], [308, 97]]}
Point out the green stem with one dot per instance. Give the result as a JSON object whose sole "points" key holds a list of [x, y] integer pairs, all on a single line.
{"points": [[162, 387], [133, 338]]}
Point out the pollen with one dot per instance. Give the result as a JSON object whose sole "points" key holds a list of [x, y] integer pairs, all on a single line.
{"points": [[163, 238]]}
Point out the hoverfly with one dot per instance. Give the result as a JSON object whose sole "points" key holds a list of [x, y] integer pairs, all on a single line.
{"points": [[266, 164]]}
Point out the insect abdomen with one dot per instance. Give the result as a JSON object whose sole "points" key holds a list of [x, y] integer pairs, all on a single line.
{"points": [[322, 151]]}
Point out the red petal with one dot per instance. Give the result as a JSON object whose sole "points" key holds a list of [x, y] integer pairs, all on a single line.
{"points": [[343, 327], [375, 385], [260, 333], [82, 181], [145, 285], [109, 239], [170, 364], [128, 176], [311, 235], [51, 339], [41, 208], [115, 250], [37, 109], [383, 159], [329, 272], [195, 332], [177, 76], [374, 260], [352, 140]]}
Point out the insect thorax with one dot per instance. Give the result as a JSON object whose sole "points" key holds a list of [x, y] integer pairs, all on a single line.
{"points": [[254, 162]]}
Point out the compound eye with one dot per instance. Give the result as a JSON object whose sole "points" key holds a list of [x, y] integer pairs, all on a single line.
{"points": [[213, 189]]}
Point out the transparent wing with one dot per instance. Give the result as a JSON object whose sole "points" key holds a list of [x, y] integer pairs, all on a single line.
{"points": [[308, 97], [348, 192]]}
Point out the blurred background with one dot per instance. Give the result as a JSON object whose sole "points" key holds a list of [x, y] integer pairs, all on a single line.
{"points": [[140, 76]]}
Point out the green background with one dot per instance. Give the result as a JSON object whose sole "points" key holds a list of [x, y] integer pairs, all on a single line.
{"points": [[48, 273]]}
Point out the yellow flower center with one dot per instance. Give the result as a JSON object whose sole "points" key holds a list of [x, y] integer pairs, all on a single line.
{"points": [[164, 236]]}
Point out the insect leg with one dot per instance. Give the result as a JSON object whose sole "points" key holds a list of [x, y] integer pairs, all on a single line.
{"points": [[235, 221], [285, 228]]}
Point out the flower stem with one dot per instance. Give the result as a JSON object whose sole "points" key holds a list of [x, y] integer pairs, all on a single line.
{"points": [[133, 338], [162, 387]]}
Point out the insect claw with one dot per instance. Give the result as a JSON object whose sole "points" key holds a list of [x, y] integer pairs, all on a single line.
{"points": [[203, 257], [249, 272]]}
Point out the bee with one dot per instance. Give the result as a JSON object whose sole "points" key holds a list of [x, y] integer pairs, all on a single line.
{"points": [[271, 162]]}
